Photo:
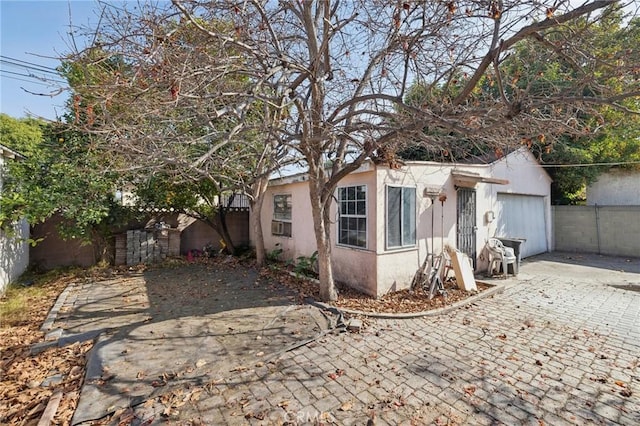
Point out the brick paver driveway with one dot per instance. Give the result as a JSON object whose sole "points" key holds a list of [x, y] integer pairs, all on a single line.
{"points": [[561, 345]]}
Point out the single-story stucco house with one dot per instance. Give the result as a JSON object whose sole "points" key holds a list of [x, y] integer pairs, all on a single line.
{"points": [[14, 248], [386, 220]]}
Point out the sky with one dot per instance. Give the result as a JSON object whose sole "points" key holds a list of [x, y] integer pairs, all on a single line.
{"points": [[36, 32]]}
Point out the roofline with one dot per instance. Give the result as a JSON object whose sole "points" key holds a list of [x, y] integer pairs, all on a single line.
{"points": [[304, 176], [530, 154], [7, 152], [467, 164]]}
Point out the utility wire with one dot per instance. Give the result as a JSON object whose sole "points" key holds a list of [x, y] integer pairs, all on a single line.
{"points": [[25, 80], [41, 80], [617, 163], [26, 64]]}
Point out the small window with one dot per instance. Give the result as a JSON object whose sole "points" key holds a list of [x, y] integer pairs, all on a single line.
{"points": [[401, 217], [352, 210], [281, 224]]}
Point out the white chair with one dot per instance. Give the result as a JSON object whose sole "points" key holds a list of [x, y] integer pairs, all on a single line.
{"points": [[500, 255]]}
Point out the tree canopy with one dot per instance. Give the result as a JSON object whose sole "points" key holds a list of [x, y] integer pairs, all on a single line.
{"points": [[60, 174], [590, 135]]}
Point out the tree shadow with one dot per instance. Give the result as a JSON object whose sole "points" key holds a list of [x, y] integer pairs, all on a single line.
{"points": [[178, 327]]}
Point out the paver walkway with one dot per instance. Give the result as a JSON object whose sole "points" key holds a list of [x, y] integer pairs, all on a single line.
{"points": [[560, 346]]}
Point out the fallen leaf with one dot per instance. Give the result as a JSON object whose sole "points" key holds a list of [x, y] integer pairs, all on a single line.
{"points": [[239, 369], [620, 383], [469, 390], [284, 404], [346, 406], [200, 363]]}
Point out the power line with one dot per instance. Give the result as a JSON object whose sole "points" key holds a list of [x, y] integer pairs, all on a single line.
{"points": [[33, 77], [26, 64], [617, 163], [27, 67], [25, 80]]}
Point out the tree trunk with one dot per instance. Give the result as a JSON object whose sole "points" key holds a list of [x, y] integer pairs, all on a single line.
{"points": [[321, 223], [101, 252], [221, 219], [259, 191]]}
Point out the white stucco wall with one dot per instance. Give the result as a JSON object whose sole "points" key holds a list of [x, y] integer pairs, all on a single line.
{"points": [[396, 267], [14, 249], [615, 188], [14, 254]]}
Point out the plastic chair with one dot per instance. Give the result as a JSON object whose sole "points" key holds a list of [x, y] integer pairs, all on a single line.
{"points": [[499, 254]]}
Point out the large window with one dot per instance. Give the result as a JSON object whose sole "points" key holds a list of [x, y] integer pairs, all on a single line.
{"points": [[401, 217], [281, 223], [352, 222]]}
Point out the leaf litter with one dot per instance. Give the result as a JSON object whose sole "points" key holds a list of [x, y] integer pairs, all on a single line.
{"points": [[402, 301], [28, 381]]}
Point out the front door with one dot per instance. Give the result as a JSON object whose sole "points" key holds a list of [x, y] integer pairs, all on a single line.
{"points": [[466, 223]]}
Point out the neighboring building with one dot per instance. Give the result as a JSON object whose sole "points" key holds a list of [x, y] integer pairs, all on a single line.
{"points": [[617, 187], [14, 249], [385, 222]]}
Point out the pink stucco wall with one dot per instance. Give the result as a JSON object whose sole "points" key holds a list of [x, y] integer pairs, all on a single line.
{"points": [[353, 266]]}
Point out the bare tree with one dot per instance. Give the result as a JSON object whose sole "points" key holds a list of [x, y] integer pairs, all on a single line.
{"points": [[333, 78]]}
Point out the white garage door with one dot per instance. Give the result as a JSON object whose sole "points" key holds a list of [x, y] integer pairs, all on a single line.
{"points": [[523, 216]]}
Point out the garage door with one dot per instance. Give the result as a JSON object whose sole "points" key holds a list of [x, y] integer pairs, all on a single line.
{"points": [[523, 216]]}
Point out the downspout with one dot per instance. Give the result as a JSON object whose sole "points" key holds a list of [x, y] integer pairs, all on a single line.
{"points": [[598, 227]]}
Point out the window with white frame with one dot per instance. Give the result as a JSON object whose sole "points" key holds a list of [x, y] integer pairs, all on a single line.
{"points": [[352, 221], [281, 223], [401, 217]]}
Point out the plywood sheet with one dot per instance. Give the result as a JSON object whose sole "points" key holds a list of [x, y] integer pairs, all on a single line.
{"points": [[462, 268]]}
